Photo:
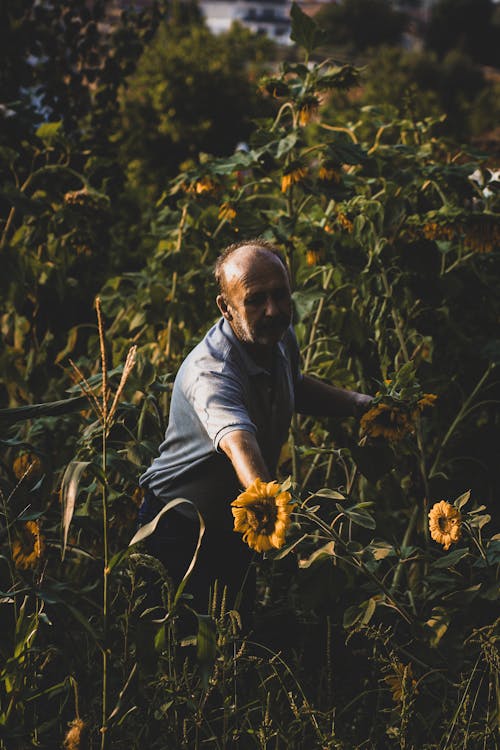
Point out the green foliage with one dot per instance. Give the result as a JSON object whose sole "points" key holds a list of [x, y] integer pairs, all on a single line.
{"points": [[190, 93], [368, 631], [467, 26], [357, 25]]}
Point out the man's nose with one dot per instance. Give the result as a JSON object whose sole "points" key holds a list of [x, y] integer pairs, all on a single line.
{"points": [[272, 307]]}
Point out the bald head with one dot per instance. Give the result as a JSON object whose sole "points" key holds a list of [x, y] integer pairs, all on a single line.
{"points": [[255, 295], [238, 257]]}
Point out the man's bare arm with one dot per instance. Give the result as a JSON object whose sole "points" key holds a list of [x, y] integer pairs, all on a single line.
{"points": [[320, 399], [242, 449]]}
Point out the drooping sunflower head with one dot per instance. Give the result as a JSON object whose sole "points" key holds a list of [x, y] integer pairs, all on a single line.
{"points": [[428, 399], [28, 548], [386, 421], [330, 172], [445, 524], [292, 175], [227, 212], [262, 514], [308, 109]]}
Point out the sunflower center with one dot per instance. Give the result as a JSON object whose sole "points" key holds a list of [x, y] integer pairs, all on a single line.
{"points": [[261, 517], [445, 524]]}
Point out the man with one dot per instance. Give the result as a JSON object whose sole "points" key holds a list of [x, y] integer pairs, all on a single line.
{"points": [[232, 403]]}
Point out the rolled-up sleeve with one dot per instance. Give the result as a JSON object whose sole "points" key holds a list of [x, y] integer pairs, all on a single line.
{"points": [[219, 402]]}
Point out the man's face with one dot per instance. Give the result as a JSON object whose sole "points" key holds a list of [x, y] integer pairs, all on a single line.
{"points": [[257, 300]]}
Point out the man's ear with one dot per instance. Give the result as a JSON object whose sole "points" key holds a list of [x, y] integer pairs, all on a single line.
{"points": [[223, 307]]}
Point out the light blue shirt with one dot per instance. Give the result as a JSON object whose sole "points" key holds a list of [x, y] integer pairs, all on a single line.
{"points": [[219, 388]]}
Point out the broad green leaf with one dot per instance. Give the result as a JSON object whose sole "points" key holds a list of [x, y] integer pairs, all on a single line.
{"points": [[68, 494], [286, 145], [462, 500], [380, 550], [328, 550], [305, 31], [438, 623], [50, 409], [331, 494], [206, 646], [360, 613], [150, 527], [450, 559], [478, 521], [358, 517], [284, 551]]}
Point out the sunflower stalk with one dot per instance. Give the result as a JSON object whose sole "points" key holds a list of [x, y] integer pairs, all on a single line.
{"points": [[105, 528], [356, 562]]}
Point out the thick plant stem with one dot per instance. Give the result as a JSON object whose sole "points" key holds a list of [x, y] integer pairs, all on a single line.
{"points": [[105, 649]]}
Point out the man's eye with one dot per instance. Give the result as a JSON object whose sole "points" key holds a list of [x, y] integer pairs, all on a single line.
{"points": [[255, 299], [280, 294]]}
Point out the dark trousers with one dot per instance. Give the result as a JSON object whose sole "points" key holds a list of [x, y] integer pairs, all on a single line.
{"points": [[222, 557]]}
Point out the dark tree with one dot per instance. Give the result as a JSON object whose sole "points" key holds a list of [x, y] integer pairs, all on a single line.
{"points": [[465, 25], [360, 24]]}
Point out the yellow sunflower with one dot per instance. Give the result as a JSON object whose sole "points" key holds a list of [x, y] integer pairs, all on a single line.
{"points": [[445, 524], [307, 110], [386, 421], [262, 514], [292, 176], [203, 185], [328, 173], [313, 257], [28, 548], [428, 399], [227, 212], [27, 464], [400, 681], [344, 222]]}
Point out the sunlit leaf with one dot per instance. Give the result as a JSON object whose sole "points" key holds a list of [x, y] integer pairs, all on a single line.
{"points": [[462, 500], [438, 623], [68, 494]]}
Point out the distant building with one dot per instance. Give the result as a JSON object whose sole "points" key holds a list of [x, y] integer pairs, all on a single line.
{"points": [[269, 17]]}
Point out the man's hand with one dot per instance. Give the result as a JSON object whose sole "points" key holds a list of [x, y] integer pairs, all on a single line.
{"points": [[320, 399], [242, 449]]}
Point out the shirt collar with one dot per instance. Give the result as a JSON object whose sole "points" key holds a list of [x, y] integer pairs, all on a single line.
{"points": [[250, 365]]}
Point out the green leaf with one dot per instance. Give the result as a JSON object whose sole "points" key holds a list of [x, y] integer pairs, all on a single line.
{"points": [[438, 623], [206, 646], [119, 703], [380, 550], [478, 521], [360, 614], [286, 144], [327, 550], [331, 494], [359, 517], [150, 527], [49, 131], [21, 202], [68, 493], [284, 551], [50, 409], [462, 500], [450, 559], [305, 31]]}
